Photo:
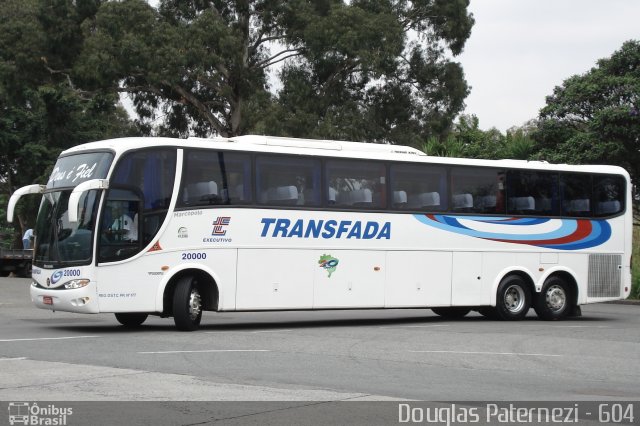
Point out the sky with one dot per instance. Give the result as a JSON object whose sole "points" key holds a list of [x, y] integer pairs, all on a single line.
{"points": [[519, 50]]}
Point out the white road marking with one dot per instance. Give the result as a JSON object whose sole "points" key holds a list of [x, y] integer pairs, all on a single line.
{"points": [[48, 338], [13, 359], [206, 351], [484, 353], [415, 326]]}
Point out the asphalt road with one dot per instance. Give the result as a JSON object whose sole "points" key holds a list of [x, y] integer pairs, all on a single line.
{"points": [[316, 356]]}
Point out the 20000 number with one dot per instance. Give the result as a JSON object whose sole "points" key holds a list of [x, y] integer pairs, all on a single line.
{"points": [[194, 256]]}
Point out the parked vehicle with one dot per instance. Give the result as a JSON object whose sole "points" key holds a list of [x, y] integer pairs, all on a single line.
{"points": [[17, 261]]}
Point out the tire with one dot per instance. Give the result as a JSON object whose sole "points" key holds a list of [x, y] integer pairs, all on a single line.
{"points": [[451, 312], [4, 273], [187, 304], [555, 301], [513, 299], [25, 272], [131, 320]]}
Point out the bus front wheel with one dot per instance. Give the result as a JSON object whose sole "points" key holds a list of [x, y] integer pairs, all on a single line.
{"points": [[554, 302], [187, 304], [131, 319], [513, 299]]}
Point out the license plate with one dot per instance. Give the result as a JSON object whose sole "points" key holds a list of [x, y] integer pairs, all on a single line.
{"points": [[47, 300]]}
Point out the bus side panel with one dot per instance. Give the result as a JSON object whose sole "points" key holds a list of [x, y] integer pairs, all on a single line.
{"points": [[130, 286], [577, 265], [275, 279], [356, 280], [223, 264], [467, 279], [418, 278]]}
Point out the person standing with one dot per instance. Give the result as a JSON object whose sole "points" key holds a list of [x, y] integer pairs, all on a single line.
{"points": [[26, 239]]}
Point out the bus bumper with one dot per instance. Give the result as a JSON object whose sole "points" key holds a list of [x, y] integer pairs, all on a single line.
{"points": [[81, 300]]}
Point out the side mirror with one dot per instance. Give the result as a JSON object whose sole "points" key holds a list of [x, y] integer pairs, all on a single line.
{"points": [[74, 198], [29, 189]]}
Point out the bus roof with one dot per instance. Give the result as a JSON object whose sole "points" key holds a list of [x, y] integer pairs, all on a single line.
{"points": [[328, 148]]}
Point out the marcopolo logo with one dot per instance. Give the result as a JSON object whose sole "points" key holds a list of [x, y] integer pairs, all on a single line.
{"points": [[31, 414], [56, 276]]}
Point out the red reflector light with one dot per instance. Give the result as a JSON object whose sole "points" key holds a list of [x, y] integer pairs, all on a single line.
{"points": [[47, 300]]}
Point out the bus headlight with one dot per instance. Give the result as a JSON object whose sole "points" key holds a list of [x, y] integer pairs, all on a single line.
{"points": [[76, 284]]}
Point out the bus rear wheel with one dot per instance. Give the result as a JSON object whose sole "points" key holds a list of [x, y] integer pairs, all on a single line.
{"points": [[451, 312], [187, 304], [554, 302], [513, 299], [131, 320]]}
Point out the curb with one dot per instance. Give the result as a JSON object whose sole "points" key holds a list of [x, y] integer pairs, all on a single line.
{"points": [[624, 302]]}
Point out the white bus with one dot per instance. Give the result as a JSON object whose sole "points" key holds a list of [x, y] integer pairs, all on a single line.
{"points": [[168, 227]]}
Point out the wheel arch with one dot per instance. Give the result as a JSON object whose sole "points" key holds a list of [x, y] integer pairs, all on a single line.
{"points": [[207, 284], [568, 277], [524, 273]]}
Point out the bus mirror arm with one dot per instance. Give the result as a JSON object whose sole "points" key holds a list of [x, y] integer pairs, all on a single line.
{"points": [[29, 189], [74, 198]]}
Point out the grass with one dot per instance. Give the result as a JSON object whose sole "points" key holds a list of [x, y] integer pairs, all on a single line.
{"points": [[635, 266]]}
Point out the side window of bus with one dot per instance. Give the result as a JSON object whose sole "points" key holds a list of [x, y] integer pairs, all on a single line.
{"points": [[119, 227], [418, 187], [215, 178], [148, 176], [356, 184], [477, 190], [575, 190], [609, 195], [532, 193], [288, 181]]}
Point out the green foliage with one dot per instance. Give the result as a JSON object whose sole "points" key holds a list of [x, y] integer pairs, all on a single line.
{"points": [[347, 69], [43, 112], [367, 81], [449, 147], [635, 266], [595, 117], [469, 141]]}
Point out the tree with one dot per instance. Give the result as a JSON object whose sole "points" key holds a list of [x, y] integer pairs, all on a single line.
{"points": [[364, 70], [595, 117], [467, 140], [377, 71], [42, 111]]}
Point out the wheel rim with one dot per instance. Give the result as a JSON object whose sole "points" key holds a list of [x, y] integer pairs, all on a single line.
{"points": [[195, 304], [556, 298], [514, 298]]}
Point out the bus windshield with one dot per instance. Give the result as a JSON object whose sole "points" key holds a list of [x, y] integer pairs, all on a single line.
{"points": [[58, 241], [72, 170]]}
